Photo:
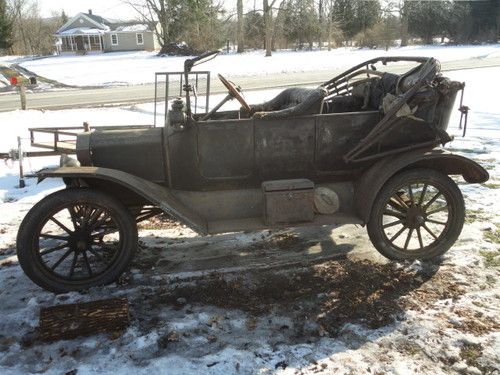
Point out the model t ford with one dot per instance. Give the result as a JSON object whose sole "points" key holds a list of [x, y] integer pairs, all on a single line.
{"points": [[361, 148]]}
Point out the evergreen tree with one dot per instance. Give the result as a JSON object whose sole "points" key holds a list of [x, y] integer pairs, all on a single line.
{"points": [[5, 27], [64, 17], [485, 16], [353, 16], [254, 30], [301, 22], [428, 19]]}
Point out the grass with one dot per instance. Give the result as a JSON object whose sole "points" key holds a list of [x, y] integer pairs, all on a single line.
{"points": [[470, 353], [492, 235], [491, 185], [491, 280], [474, 215], [491, 258], [411, 348]]}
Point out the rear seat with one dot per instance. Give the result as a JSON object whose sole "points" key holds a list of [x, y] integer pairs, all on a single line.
{"points": [[366, 97]]}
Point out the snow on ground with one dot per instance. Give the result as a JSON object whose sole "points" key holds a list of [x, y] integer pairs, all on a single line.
{"points": [[209, 305], [126, 68]]}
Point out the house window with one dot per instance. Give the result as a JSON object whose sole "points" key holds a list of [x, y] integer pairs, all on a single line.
{"points": [[140, 38], [114, 39]]}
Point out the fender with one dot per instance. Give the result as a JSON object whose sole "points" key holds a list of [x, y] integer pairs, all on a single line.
{"points": [[156, 194], [370, 183]]}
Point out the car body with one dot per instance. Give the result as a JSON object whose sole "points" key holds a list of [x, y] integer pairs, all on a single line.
{"points": [[342, 153]]}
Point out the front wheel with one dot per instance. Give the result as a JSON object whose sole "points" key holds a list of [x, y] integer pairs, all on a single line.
{"points": [[418, 214], [75, 239]]}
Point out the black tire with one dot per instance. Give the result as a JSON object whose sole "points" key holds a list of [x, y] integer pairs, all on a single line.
{"points": [[83, 223], [416, 200]]}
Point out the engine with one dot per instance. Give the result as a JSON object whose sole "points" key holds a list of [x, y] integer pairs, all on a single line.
{"points": [[139, 152]]}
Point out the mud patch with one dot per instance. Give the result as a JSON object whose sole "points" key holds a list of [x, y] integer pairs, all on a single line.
{"points": [[331, 294], [160, 222], [474, 322], [284, 240]]}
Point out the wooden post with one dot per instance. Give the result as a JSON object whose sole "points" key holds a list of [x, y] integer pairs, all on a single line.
{"points": [[65, 322], [22, 93], [22, 184]]}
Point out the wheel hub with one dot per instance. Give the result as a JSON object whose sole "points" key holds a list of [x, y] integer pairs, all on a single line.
{"points": [[415, 217], [80, 240], [81, 245]]}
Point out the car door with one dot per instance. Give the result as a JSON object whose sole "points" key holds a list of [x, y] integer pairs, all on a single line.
{"points": [[337, 134], [284, 148], [226, 149]]}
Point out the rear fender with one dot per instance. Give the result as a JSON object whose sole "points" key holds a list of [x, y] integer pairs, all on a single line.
{"points": [[371, 182], [156, 194]]}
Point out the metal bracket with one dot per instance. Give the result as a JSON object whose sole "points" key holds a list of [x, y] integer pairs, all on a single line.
{"points": [[464, 112]]}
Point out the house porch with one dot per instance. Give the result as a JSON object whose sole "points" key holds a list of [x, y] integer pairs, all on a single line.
{"points": [[80, 43]]}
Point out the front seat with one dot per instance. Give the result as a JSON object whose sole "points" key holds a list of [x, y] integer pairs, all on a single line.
{"points": [[291, 102]]}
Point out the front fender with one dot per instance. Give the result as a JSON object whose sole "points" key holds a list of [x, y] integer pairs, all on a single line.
{"points": [[369, 184], [158, 195]]}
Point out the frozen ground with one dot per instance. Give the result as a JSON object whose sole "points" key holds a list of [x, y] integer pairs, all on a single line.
{"points": [[113, 69], [302, 301]]}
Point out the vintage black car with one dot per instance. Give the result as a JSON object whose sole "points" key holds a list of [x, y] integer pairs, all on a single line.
{"points": [[362, 148]]}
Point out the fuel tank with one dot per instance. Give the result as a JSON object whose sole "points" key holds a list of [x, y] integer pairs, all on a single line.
{"points": [[136, 151]]}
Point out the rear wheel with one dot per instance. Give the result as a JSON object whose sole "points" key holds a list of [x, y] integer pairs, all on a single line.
{"points": [[418, 214], [75, 239]]}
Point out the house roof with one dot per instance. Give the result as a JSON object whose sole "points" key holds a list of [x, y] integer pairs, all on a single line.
{"points": [[134, 27], [82, 31], [109, 21], [101, 24]]}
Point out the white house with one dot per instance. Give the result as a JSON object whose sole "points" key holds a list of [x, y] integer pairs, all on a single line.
{"points": [[87, 32]]}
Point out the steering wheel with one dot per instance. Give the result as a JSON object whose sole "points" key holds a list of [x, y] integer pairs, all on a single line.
{"points": [[235, 93]]}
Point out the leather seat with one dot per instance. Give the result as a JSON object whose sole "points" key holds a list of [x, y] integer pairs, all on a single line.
{"points": [[291, 102]]}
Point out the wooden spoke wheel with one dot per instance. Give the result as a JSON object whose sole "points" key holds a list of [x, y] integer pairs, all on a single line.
{"points": [[418, 214], [235, 93], [75, 239]]}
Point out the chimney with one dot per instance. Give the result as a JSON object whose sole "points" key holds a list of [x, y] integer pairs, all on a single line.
{"points": [[90, 11]]}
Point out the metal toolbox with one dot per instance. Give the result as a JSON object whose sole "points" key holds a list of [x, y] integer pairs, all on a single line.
{"points": [[288, 201]]}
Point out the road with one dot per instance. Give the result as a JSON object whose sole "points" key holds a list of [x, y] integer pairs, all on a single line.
{"points": [[89, 97]]}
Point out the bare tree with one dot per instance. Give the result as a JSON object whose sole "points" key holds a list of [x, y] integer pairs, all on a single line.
{"points": [[333, 31], [400, 7], [240, 28], [268, 26], [154, 12], [32, 34], [195, 22], [404, 22], [18, 8], [320, 19]]}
